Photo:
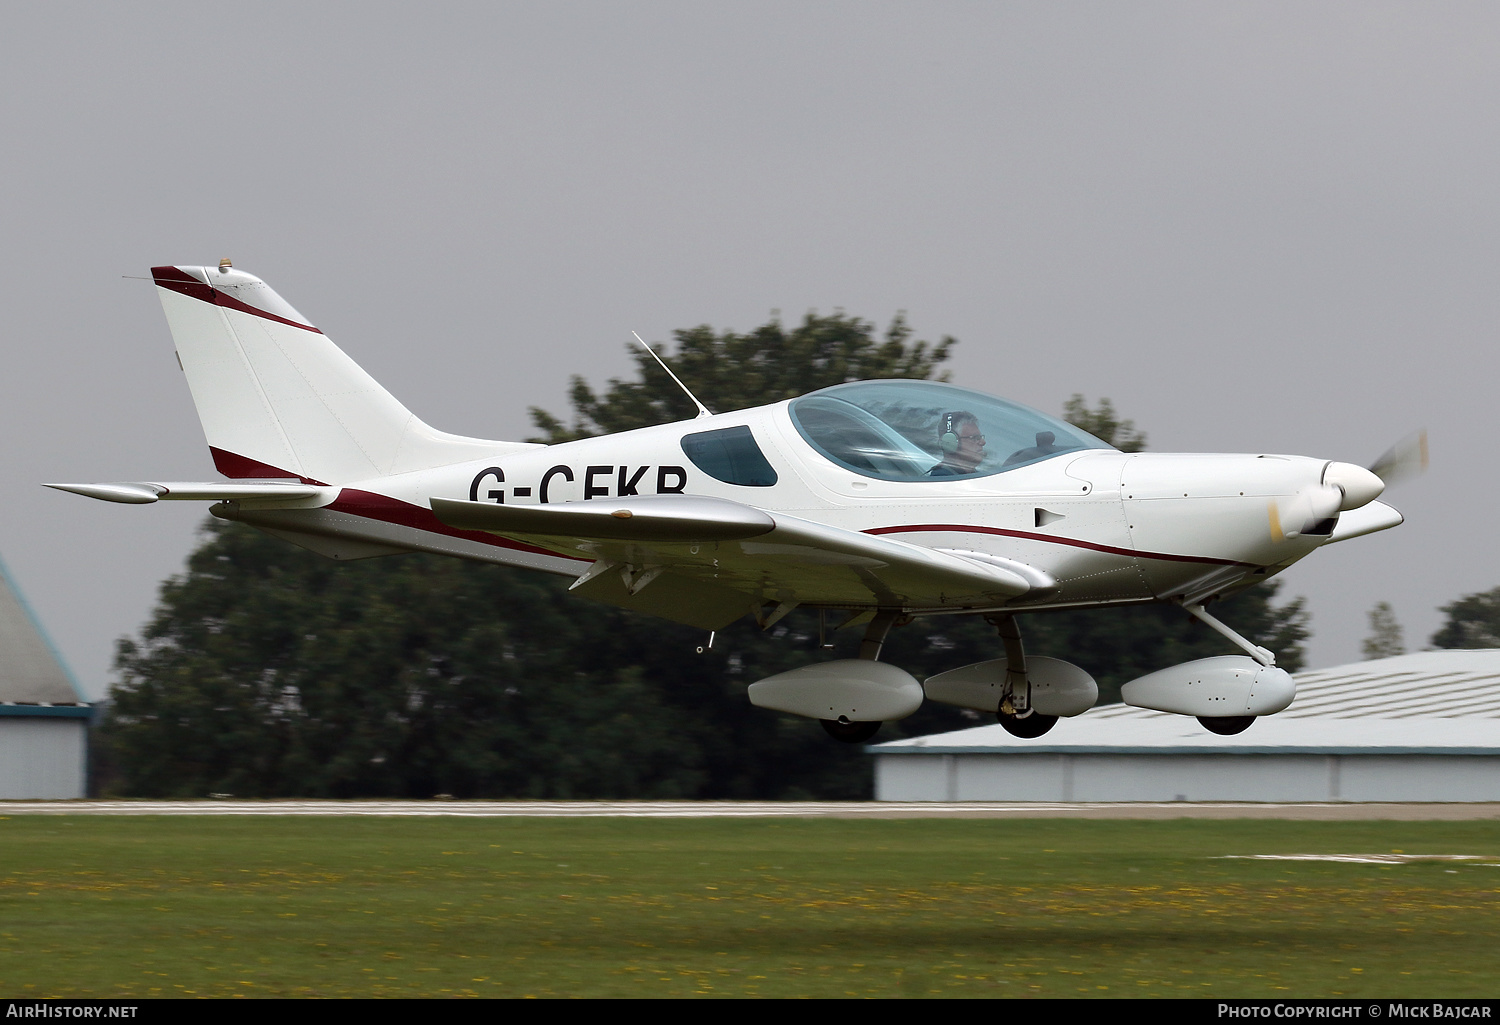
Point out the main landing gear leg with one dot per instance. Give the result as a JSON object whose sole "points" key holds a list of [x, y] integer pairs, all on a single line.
{"points": [[869, 648], [876, 632], [1015, 712]]}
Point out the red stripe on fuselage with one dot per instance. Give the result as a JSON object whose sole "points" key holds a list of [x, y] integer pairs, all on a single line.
{"points": [[180, 281], [373, 506], [390, 510], [960, 528]]}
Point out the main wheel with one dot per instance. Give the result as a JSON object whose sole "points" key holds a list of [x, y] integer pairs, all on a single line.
{"points": [[1029, 727], [1226, 725], [850, 732]]}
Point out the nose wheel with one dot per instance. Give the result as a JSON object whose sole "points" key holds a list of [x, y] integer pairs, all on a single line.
{"points": [[1226, 725]]}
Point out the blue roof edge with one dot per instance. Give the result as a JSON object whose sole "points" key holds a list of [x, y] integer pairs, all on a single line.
{"points": [[48, 711], [1281, 749]]}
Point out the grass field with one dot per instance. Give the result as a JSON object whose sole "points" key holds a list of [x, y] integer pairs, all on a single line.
{"points": [[142, 907]]}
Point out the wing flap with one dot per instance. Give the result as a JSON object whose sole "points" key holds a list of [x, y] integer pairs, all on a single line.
{"points": [[673, 596]]}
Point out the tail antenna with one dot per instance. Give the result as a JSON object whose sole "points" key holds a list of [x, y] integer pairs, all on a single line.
{"points": [[702, 409]]}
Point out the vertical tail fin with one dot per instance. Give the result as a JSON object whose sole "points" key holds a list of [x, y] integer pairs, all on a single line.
{"points": [[277, 398]]}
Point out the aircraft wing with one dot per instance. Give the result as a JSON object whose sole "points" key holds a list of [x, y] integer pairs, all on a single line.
{"points": [[707, 561]]}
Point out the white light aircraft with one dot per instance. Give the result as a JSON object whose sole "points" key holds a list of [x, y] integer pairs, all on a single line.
{"points": [[873, 502]]}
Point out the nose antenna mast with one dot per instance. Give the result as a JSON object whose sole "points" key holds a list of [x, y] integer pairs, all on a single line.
{"points": [[702, 409]]}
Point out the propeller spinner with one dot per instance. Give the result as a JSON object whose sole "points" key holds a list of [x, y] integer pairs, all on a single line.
{"points": [[1361, 486]]}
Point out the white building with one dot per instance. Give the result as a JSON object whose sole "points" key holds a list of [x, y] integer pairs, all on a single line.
{"points": [[43, 718], [1421, 727]]}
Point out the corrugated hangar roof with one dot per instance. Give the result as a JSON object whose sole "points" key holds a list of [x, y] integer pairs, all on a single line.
{"points": [[1435, 702], [31, 674]]}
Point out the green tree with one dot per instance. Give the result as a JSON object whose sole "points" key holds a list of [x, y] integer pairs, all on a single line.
{"points": [[267, 670], [1473, 622], [729, 371], [1385, 640], [1104, 423]]}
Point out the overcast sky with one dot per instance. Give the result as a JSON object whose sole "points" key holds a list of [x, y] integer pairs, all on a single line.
{"points": [[1256, 227]]}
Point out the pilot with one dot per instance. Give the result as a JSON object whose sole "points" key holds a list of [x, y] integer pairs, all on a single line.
{"points": [[961, 442]]}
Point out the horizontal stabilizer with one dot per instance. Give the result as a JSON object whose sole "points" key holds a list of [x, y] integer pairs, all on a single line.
{"points": [[145, 492]]}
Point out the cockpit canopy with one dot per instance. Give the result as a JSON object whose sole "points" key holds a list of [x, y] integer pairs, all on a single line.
{"points": [[893, 430]]}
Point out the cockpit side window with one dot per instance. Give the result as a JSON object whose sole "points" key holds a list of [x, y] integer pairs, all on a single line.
{"points": [[730, 455], [858, 440]]}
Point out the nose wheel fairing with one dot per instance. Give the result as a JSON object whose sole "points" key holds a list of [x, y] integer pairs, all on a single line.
{"points": [[1225, 686]]}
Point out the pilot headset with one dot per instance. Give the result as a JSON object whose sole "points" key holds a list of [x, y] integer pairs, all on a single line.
{"points": [[948, 437]]}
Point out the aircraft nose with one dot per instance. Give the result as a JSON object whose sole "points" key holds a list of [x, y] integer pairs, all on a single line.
{"points": [[1360, 486]]}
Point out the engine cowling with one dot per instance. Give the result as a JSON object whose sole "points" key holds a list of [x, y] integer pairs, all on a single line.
{"points": [[1057, 687], [1222, 686], [855, 689]]}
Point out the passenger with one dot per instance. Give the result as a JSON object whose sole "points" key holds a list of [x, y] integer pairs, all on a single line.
{"points": [[961, 442]]}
